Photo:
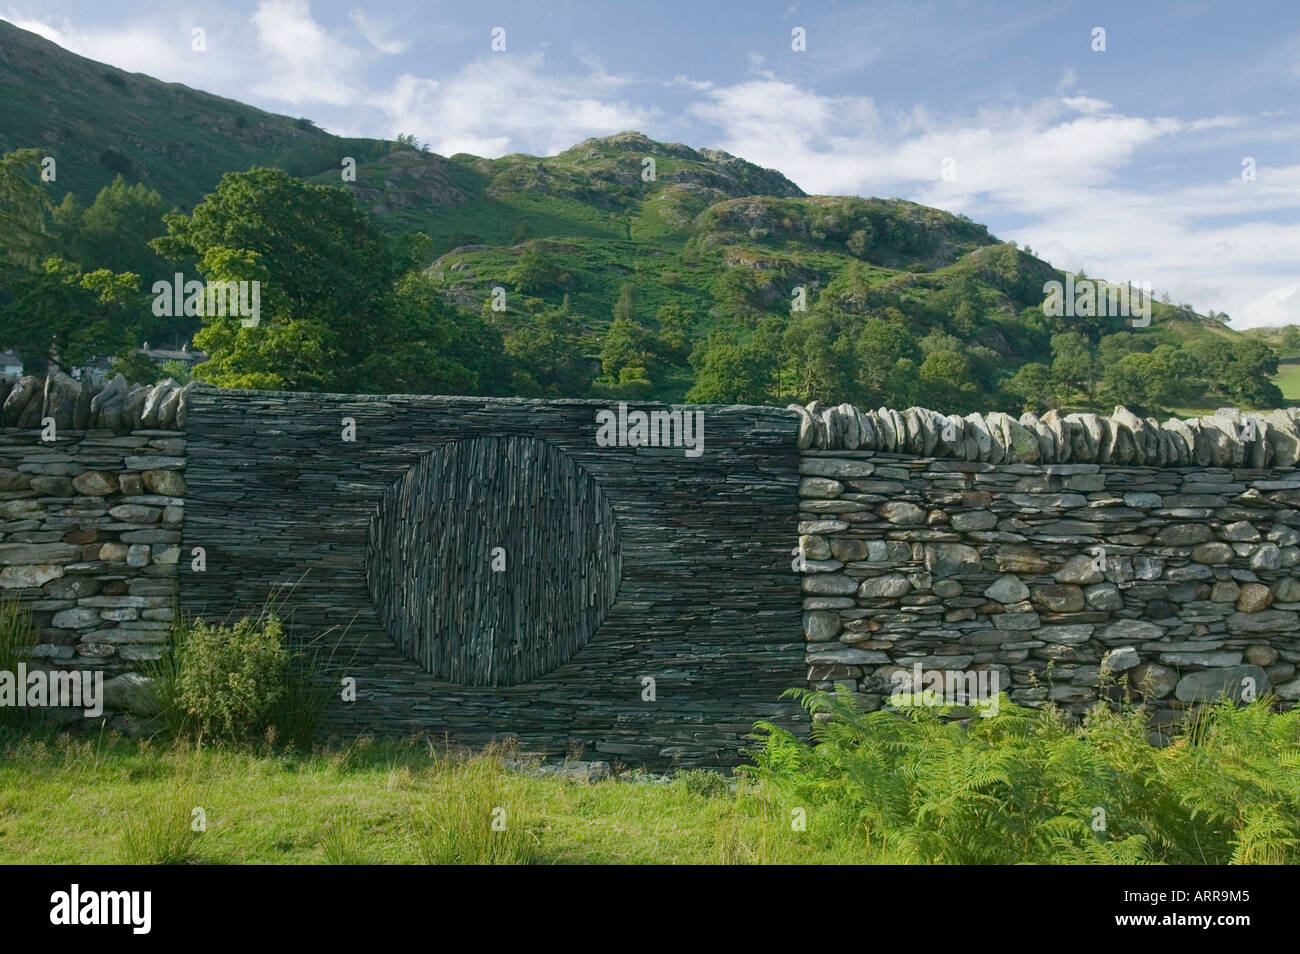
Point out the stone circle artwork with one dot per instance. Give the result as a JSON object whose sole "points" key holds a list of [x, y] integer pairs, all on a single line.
{"points": [[493, 560]]}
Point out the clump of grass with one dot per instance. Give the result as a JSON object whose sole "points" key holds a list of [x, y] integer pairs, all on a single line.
{"points": [[703, 782], [297, 712], [17, 639], [163, 828], [343, 842], [473, 813]]}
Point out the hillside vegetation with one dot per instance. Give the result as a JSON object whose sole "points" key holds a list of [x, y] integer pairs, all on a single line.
{"points": [[622, 268]]}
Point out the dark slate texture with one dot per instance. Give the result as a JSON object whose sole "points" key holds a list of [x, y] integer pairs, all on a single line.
{"points": [[708, 604]]}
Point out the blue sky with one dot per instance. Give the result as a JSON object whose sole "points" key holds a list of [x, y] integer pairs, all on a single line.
{"points": [[1126, 162]]}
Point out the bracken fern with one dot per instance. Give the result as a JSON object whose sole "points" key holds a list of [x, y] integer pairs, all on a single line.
{"points": [[919, 784]]}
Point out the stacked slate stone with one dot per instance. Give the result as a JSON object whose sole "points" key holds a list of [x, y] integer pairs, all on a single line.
{"points": [[90, 525], [971, 564], [1227, 438], [92, 403], [706, 606]]}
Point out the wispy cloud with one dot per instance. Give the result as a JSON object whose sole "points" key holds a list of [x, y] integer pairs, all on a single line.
{"points": [[505, 104], [378, 32]]}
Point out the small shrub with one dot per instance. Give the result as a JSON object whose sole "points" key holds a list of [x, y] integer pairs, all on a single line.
{"points": [[228, 680], [242, 683]]}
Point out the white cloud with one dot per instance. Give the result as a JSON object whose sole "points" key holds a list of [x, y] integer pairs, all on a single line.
{"points": [[279, 54], [1086, 104], [681, 79], [135, 47], [1279, 306], [300, 62], [378, 33], [510, 103], [1062, 167]]}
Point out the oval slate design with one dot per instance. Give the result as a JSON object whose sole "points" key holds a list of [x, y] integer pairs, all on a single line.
{"points": [[430, 553]]}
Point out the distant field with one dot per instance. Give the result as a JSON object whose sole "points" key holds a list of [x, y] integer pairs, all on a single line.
{"points": [[1288, 379]]}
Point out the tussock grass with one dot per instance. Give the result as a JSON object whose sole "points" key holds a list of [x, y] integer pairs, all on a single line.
{"points": [[16, 642]]}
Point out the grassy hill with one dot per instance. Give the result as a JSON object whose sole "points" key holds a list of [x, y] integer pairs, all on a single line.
{"points": [[722, 238], [99, 121]]}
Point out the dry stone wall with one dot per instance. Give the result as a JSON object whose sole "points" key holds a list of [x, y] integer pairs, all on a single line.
{"points": [[1070, 580], [90, 528], [1075, 556]]}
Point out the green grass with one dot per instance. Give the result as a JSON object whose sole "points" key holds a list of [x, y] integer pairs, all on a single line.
{"points": [[110, 800], [919, 786], [1288, 379]]}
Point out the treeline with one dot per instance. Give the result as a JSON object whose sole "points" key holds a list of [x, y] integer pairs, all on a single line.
{"points": [[877, 345]]}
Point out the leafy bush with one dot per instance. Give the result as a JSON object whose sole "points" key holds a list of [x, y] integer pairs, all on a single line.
{"points": [[1028, 786], [227, 681], [242, 683]]}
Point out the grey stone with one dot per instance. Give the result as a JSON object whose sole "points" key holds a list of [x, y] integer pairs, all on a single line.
{"points": [[1183, 534], [829, 584], [890, 586], [1103, 596], [1264, 656], [844, 656], [1212, 553], [821, 626], [1241, 530], [1266, 621], [974, 520], [1209, 684], [1120, 659], [1079, 570], [76, 618], [1254, 598], [951, 559], [21, 576], [1153, 680], [1130, 631], [902, 513], [1007, 589], [1267, 556], [814, 547], [836, 467], [1061, 598], [170, 483], [131, 692]]}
